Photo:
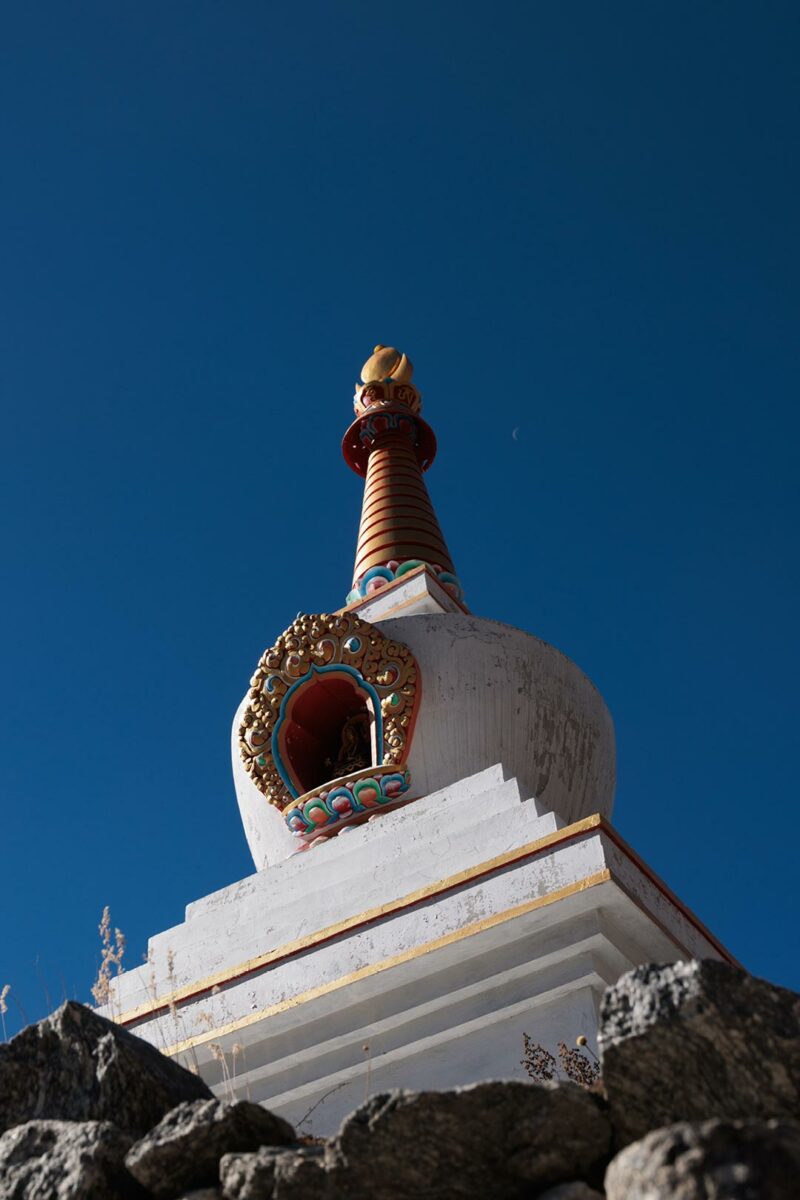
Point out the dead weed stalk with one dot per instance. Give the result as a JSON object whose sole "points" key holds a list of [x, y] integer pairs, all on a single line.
{"points": [[572, 1064], [112, 950]]}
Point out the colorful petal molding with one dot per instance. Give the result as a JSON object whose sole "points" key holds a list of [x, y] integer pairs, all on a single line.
{"points": [[346, 798], [379, 577]]}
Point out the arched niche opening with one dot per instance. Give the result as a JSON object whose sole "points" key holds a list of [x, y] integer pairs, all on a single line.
{"points": [[328, 729]]}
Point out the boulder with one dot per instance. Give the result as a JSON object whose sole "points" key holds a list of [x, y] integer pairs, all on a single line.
{"points": [[498, 1139], [183, 1151], [77, 1066], [504, 1140], [695, 1040], [296, 1173], [65, 1160], [711, 1160], [494, 1138]]}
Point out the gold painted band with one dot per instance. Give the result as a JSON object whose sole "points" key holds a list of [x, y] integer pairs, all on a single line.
{"points": [[382, 478], [379, 478], [399, 517], [399, 531], [392, 494], [390, 459], [289, 949], [395, 960], [459, 879]]}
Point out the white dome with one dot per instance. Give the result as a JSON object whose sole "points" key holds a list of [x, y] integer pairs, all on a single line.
{"points": [[489, 694]]}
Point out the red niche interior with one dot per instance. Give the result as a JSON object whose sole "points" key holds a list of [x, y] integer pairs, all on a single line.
{"points": [[313, 729]]}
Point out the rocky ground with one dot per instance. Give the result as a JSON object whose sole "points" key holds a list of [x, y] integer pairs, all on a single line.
{"points": [[700, 1099]]}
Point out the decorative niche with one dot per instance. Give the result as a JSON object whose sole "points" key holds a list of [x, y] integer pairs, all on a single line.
{"points": [[329, 720]]}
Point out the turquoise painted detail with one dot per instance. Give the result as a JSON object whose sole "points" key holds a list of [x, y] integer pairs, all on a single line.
{"points": [[339, 667], [374, 573], [408, 565], [454, 581], [327, 808], [388, 574]]}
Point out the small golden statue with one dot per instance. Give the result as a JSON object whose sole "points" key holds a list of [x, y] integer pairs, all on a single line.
{"points": [[355, 752]]}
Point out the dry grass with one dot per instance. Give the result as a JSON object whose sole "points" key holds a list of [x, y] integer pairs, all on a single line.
{"points": [[4, 1007], [308, 1139], [572, 1064], [112, 950], [112, 944], [368, 1076], [228, 1073]]}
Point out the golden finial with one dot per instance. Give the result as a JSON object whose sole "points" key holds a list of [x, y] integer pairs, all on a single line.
{"points": [[386, 363]]}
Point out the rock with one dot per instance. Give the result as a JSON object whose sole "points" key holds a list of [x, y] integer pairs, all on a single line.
{"points": [[576, 1190], [77, 1066], [184, 1149], [486, 1139], [65, 1160], [203, 1194], [713, 1160], [504, 1140], [297, 1173], [696, 1040]]}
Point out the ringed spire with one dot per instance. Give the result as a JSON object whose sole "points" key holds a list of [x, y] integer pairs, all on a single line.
{"points": [[391, 446]]}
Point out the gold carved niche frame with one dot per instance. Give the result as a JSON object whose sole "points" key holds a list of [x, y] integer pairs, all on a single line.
{"points": [[311, 643]]}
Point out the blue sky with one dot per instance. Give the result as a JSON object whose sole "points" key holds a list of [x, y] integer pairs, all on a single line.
{"points": [[580, 221]]}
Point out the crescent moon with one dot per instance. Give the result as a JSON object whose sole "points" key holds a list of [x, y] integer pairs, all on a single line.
{"points": [[514, 433]]}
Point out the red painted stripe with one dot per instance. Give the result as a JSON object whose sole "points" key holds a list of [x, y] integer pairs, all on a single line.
{"points": [[385, 497], [409, 482], [393, 472], [379, 460], [388, 508], [379, 477], [402, 521], [401, 452], [390, 462], [414, 513], [620, 842], [414, 532], [392, 512], [401, 479], [417, 534], [405, 507], [390, 470]]}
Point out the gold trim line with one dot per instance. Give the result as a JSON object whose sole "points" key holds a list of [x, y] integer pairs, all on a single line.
{"points": [[394, 960], [229, 974]]}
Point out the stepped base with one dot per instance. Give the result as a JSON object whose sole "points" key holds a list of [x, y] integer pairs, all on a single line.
{"points": [[412, 951]]}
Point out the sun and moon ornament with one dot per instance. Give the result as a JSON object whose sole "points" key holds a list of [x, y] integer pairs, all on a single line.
{"points": [[332, 694]]}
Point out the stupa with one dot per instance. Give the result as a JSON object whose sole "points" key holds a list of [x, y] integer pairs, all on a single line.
{"points": [[427, 798]]}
